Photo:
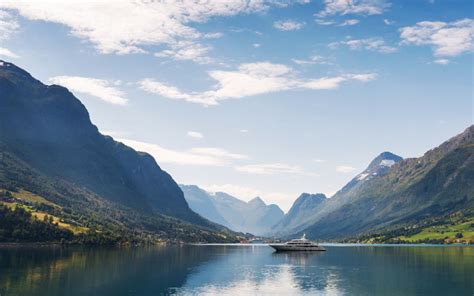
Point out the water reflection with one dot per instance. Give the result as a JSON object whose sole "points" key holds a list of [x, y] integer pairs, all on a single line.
{"points": [[237, 270]]}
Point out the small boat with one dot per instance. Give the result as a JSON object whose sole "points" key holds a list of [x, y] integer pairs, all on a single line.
{"points": [[301, 244]]}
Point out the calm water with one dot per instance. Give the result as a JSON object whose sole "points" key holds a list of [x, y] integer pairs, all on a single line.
{"points": [[237, 270]]}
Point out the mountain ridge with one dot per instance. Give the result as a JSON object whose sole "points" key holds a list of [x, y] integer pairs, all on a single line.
{"points": [[411, 190], [253, 216], [47, 130]]}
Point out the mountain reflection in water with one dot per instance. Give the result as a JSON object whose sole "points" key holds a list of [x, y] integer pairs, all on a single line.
{"points": [[236, 270]]}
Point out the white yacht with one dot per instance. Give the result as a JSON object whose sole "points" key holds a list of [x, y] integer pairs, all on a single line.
{"points": [[301, 244]]}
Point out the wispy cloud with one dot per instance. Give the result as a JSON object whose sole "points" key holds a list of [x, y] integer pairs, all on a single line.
{"points": [[350, 22], [250, 80], [196, 135], [130, 26], [345, 169], [447, 39], [203, 156], [288, 25], [362, 7], [372, 44], [335, 82], [8, 25], [187, 51], [312, 60], [8, 53], [274, 169], [441, 61], [102, 89]]}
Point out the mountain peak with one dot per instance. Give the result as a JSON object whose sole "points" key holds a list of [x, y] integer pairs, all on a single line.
{"points": [[307, 196], [257, 201], [10, 69], [379, 166], [385, 159]]}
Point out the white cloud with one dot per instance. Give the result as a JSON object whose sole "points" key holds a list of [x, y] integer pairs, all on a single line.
{"points": [[388, 22], [256, 45], [350, 22], [244, 130], [319, 160], [288, 25], [217, 152], [196, 156], [345, 169], [215, 35], [195, 135], [99, 88], [335, 82], [447, 39], [187, 51], [324, 22], [373, 44], [8, 53], [249, 80], [171, 92], [273, 169], [441, 61], [363, 7], [127, 26], [8, 25], [314, 59]]}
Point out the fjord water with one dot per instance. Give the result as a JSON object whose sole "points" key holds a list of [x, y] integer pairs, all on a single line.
{"points": [[237, 270]]}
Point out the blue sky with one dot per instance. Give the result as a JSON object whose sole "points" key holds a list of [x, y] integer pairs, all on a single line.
{"points": [[269, 98]]}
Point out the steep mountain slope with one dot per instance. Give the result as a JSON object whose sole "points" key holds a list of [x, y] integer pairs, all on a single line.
{"points": [[300, 220], [253, 217], [50, 129], [304, 206], [49, 146], [436, 184]]}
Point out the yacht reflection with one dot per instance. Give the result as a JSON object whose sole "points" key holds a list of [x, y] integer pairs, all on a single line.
{"points": [[259, 271], [298, 258]]}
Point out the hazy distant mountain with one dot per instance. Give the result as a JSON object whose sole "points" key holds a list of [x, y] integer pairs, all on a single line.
{"points": [[200, 202], [253, 217], [46, 134], [436, 184], [304, 206]]}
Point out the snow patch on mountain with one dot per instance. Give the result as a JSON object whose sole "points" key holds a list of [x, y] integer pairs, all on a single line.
{"points": [[387, 162]]}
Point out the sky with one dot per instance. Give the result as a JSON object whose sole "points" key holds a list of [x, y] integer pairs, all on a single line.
{"points": [[257, 98]]}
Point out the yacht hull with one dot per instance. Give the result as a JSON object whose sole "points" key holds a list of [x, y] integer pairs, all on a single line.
{"points": [[286, 248]]}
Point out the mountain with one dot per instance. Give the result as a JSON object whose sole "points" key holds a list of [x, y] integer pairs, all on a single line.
{"points": [[305, 205], [377, 167], [46, 135], [308, 208], [407, 193], [200, 202], [253, 216]]}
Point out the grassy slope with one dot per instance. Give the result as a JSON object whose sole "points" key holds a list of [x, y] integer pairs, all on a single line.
{"points": [[440, 230], [77, 206], [446, 232]]}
